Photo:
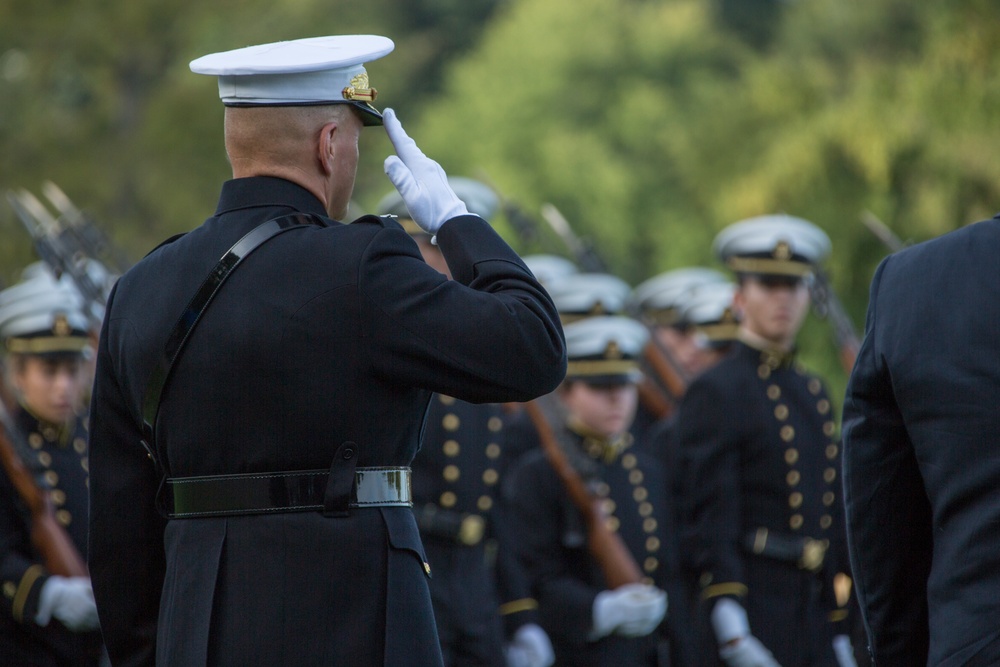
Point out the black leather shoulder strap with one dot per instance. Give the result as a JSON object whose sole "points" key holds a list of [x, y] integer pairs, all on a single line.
{"points": [[196, 307]]}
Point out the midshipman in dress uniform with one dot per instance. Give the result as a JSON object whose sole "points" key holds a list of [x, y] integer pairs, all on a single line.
{"points": [[590, 621], [456, 475], [46, 619], [254, 418], [760, 467]]}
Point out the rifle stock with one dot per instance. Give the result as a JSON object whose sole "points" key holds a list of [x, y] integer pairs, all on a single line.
{"points": [[605, 546]]}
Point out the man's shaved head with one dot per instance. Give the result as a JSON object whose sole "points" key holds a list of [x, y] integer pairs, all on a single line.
{"points": [[276, 135]]}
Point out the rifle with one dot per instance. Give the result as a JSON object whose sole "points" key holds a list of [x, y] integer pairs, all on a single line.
{"points": [[60, 247], [53, 544], [90, 238], [605, 546], [882, 232], [828, 307]]}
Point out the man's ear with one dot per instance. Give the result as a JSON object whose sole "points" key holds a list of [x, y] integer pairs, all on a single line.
{"points": [[328, 147]]}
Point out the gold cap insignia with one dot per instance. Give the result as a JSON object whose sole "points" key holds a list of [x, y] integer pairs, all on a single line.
{"points": [[727, 316], [61, 326], [612, 351], [782, 251], [359, 89]]}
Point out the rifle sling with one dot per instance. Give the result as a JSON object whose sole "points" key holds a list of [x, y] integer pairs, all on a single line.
{"points": [[196, 308]]}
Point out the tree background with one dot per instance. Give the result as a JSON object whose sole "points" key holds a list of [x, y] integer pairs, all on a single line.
{"points": [[650, 124]]}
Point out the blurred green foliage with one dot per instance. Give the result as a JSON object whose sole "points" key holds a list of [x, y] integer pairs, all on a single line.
{"points": [[650, 124]]}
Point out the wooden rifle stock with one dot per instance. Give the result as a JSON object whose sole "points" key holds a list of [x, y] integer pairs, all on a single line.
{"points": [[59, 554], [664, 369], [606, 547]]}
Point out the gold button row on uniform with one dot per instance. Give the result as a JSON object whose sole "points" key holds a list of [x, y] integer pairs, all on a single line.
{"points": [[635, 476], [796, 521], [650, 565], [829, 428], [35, 440], [825, 521], [787, 433], [63, 517], [815, 386], [490, 476], [451, 448], [9, 589], [649, 525], [450, 422], [829, 475], [492, 450], [795, 500], [791, 456], [652, 543], [763, 371], [484, 503], [612, 523], [823, 406], [447, 499], [608, 506], [831, 451], [774, 392], [781, 412], [451, 473], [446, 400], [828, 498], [58, 497], [628, 461], [45, 459], [494, 424], [793, 477], [645, 509], [51, 478], [640, 494]]}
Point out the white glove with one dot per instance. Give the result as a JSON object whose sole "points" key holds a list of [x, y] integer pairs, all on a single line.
{"points": [[737, 647], [632, 610], [421, 181], [844, 651], [70, 600], [530, 648]]}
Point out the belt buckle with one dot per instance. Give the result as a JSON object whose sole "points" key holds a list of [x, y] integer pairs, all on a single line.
{"points": [[813, 554]]}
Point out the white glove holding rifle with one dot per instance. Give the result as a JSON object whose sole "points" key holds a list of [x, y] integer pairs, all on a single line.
{"points": [[70, 600], [421, 181], [737, 647]]}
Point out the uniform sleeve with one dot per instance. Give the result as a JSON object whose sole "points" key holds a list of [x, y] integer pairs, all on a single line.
{"points": [[711, 510], [126, 532], [887, 511], [536, 500], [21, 574], [490, 335]]}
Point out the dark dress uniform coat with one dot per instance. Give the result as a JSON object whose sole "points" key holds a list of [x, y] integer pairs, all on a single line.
{"points": [[552, 544], [922, 454], [326, 335], [60, 457], [454, 481], [759, 450]]}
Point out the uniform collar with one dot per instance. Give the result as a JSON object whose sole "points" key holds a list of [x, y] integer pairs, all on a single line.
{"points": [[51, 432], [598, 447], [767, 354], [260, 191]]}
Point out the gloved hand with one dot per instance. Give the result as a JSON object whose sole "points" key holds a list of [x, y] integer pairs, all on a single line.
{"points": [[421, 181], [530, 648], [632, 610], [737, 647], [844, 651], [70, 600]]}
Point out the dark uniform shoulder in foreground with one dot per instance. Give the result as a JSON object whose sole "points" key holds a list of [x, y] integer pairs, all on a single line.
{"points": [[921, 470]]}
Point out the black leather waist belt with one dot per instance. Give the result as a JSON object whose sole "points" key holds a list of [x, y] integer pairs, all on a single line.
{"points": [[805, 552], [278, 492]]}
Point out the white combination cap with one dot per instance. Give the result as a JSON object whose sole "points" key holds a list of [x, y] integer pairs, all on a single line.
{"points": [[43, 315], [781, 245], [547, 268], [661, 297], [604, 350], [577, 295], [301, 72]]}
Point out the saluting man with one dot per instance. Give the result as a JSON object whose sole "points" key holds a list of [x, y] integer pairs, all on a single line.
{"points": [[456, 475], [254, 418], [47, 619], [590, 621], [760, 467]]}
